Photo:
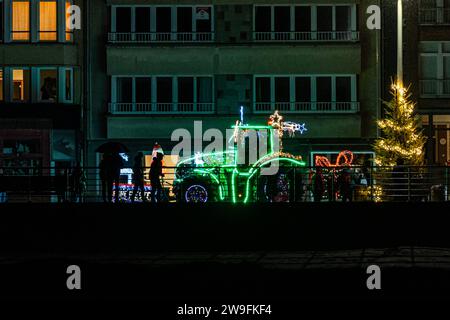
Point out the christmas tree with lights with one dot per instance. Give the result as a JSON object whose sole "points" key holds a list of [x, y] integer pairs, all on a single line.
{"points": [[401, 137]]}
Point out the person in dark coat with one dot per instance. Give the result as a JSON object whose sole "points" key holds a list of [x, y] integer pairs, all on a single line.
{"points": [[155, 174], [318, 185], [345, 185], [114, 175], [61, 184], [138, 177], [78, 183], [103, 177]]}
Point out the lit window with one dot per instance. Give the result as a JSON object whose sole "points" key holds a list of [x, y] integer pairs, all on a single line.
{"points": [[48, 85], [47, 21], [1, 85], [21, 84], [21, 20]]}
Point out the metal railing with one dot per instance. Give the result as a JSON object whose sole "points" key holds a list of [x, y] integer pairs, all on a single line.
{"points": [[155, 37], [291, 184], [161, 108], [307, 36], [434, 16], [435, 87], [308, 107]]}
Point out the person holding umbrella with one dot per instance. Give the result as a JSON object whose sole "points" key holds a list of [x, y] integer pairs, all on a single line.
{"points": [[110, 168]]}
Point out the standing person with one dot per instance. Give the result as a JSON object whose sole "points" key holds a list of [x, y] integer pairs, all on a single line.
{"points": [[318, 185], [155, 174], [138, 177], [345, 185], [114, 172], [104, 177], [331, 185], [61, 184], [78, 183]]}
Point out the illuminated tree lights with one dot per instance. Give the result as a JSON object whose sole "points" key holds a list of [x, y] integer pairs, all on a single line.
{"points": [[401, 137]]}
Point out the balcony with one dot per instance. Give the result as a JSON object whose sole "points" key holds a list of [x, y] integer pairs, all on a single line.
{"points": [[339, 36], [161, 108], [307, 107], [436, 88], [158, 37], [434, 16]]}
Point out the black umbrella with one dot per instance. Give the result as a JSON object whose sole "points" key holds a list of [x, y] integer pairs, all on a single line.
{"points": [[112, 147]]}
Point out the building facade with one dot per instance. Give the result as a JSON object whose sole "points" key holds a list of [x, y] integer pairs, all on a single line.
{"points": [[426, 49], [161, 65], [41, 79]]}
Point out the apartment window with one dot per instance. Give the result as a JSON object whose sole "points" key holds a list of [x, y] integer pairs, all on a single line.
{"points": [[124, 93], [203, 17], [21, 84], [2, 98], [302, 19], [305, 22], [309, 93], [324, 18], [123, 19], [303, 89], [343, 89], [282, 89], [163, 19], [143, 90], [435, 11], [186, 90], [263, 19], [162, 94], [48, 21], [323, 86], [36, 84], [161, 23], [48, 84], [143, 21], [343, 18], [20, 20], [263, 88], [435, 68]]}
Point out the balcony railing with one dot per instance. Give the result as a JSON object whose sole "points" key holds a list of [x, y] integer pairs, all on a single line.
{"points": [[307, 107], [434, 16], [306, 36], [161, 108], [154, 37], [435, 88]]}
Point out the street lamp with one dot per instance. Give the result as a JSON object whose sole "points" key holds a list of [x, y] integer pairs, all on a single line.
{"points": [[400, 43]]}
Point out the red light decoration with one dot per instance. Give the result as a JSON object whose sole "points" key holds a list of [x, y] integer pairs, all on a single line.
{"points": [[344, 159]]}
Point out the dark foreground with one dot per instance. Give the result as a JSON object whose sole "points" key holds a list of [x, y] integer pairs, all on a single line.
{"points": [[213, 255]]}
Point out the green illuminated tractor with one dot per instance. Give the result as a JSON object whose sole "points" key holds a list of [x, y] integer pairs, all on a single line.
{"points": [[222, 176]]}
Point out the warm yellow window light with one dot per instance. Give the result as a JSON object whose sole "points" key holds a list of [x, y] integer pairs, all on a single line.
{"points": [[21, 20], [47, 20], [21, 84], [68, 31]]}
